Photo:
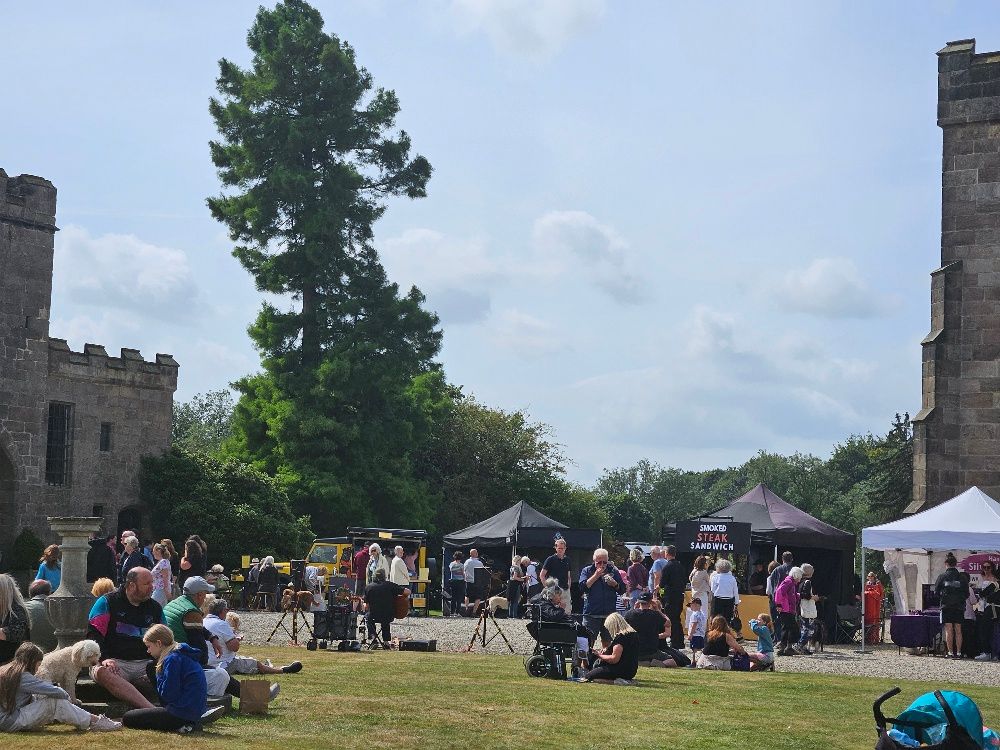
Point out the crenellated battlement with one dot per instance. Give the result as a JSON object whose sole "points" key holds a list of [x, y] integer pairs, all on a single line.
{"points": [[94, 363], [28, 200], [968, 84]]}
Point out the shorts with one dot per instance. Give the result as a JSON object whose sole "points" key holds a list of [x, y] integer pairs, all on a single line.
{"points": [[697, 642], [132, 670], [242, 665], [953, 615], [763, 658]]}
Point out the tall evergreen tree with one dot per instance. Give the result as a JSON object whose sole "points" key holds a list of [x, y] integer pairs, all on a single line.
{"points": [[308, 155]]}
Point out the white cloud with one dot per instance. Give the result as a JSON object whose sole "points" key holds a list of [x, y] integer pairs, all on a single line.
{"points": [[532, 29], [525, 335], [108, 329], [122, 271], [575, 239], [830, 288], [724, 387], [456, 275]]}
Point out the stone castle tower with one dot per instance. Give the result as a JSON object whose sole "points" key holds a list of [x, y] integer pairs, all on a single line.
{"points": [[73, 425], [957, 431]]}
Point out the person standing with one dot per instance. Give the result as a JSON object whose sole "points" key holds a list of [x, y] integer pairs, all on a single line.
{"points": [[600, 583], [162, 588], [193, 562], [558, 566], [398, 573], [953, 592], [701, 587], [758, 579], [514, 587], [472, 592], [673, 582], [132, 558], [657, 561], [532, 585], [359, 566], [777, 575], [725, 590], [100, 559], [636, 576], [457, 584], [989, 589], [50, 567], [786, 600]]}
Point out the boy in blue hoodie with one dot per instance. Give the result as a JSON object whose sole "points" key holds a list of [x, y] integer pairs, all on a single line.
{"points": [[180, 683]]}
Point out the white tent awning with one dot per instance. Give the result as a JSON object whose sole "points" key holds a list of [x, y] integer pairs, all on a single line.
{"points": [[969, 521]]}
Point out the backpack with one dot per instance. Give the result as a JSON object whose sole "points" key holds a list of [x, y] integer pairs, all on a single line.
{"points": [[952, 589]]}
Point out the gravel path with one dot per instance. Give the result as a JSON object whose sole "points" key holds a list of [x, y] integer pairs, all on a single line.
{"points": [[453, 634]]}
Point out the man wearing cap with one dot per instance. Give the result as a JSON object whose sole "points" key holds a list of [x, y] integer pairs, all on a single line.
{"points": [[653, 630], [186, 621]]}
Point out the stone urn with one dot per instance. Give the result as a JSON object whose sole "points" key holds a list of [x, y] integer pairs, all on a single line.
{"points": [[69, 605]]}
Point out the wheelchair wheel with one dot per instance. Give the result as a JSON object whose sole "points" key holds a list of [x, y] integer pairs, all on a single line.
{"points": [[536, 666]]}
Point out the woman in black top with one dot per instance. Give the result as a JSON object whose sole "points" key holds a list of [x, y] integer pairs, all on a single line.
{"points": [[14, 621], [192, 564], [620, 659]]}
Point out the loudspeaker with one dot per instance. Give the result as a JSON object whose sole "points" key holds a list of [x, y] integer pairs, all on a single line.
{"points": [[430, 645]]}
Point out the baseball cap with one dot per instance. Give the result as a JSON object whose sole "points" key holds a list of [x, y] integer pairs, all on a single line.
{"points": [[645, 597], [198, 585]]}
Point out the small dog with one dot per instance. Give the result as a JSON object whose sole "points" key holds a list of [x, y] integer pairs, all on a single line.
{"points": [[63, 665]]}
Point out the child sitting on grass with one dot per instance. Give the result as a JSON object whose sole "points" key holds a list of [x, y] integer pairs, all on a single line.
{"points": [[763, 657], [696, 623]]}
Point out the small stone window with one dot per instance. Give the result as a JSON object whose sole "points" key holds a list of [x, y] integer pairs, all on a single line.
{"points": [[105, 437], [59, 446]]}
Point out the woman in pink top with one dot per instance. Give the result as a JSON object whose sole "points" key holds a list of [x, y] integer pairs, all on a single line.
{"points": [[786, 600]]}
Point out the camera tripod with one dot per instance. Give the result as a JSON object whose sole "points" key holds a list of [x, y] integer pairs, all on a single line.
{"points": [[480, 632], [295, 612]]}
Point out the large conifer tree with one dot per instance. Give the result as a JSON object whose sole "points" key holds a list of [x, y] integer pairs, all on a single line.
{"points": [[308, 154]]}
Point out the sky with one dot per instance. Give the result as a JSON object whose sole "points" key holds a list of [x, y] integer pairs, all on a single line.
{"points": [[685, 232]]}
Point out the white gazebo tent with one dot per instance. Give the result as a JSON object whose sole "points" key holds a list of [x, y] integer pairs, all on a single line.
{"points": [[915, 545]]}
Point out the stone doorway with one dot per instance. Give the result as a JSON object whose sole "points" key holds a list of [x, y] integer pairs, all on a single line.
{"points": [[130, 518]]}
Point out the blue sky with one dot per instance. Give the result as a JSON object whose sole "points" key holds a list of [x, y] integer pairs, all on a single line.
{"points": [[676, 231]]}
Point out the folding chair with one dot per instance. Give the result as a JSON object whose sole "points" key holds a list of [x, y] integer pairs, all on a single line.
{"points": [[371, 638], [849, 623]]}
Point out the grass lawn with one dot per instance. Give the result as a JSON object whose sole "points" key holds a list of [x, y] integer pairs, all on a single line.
{"points": [[414, 700]]}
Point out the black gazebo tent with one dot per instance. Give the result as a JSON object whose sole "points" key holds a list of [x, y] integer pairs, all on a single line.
{"points": [[523, 529], [777, 526]]}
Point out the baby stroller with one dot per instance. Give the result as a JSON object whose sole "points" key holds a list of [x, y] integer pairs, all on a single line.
{"points": [[556, 653], [943, 720]]}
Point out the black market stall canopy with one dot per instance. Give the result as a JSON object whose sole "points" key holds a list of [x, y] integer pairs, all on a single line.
{"points": [[521, 526], [777, 526]]}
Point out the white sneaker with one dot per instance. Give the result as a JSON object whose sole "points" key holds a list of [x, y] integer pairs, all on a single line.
{"points": [[984, 657], [104, 724], [212, 714], [275, 689], [267, 663]]}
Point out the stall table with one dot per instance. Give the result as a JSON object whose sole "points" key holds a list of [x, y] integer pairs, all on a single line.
{"points": [[916, 630]]}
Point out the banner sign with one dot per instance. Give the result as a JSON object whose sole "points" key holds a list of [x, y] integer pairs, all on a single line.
{"points": [[712, 536]]}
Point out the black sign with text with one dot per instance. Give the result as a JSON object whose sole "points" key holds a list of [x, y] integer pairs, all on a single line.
{"points": [[712, 536]]}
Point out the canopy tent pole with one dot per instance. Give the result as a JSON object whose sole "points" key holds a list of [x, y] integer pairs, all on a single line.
{"points": [[776, 553], [864, 635]]}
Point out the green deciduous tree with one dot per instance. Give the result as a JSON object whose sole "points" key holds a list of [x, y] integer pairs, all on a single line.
{"points": [[204, 423], [235, 508], [308, 155]]}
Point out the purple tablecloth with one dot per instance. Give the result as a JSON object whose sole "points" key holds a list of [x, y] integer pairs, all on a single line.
{"points": [[914, 631]]}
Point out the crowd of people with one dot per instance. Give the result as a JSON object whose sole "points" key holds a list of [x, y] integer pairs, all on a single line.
{"points": [[165, 641]]}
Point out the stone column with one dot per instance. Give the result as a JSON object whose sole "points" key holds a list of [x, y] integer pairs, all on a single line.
{"points": [[69, 605]]}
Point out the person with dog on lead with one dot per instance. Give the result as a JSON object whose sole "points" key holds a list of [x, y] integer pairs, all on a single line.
{"points": [[180, 684], [558, 566], [601, 584], [380, 596], [27, 702], [953, 591]]}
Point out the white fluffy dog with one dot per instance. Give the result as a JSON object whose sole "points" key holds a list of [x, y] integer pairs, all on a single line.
{"points": [[63, 665]]}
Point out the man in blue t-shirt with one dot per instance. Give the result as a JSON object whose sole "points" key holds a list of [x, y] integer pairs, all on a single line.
{"points": [[557, 566], [656, 570], [601, 584]]}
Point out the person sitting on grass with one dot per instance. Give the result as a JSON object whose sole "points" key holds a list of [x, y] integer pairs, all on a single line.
{"points": [[718, 643], [653, 631], [763, 657], [619, 661], [27, 703], [217, 624], [180, 683]]}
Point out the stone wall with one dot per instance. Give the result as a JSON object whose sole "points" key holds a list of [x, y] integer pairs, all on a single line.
{"points": [[957, 430], [134, 397]]}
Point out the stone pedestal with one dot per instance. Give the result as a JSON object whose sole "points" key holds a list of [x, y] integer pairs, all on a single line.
{"points": [[69, 605]]}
